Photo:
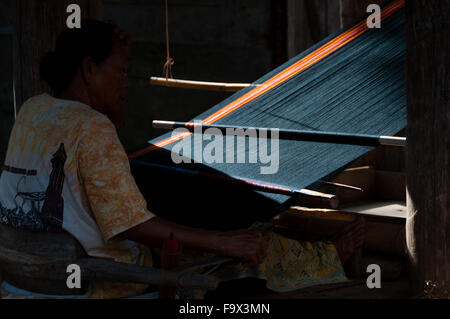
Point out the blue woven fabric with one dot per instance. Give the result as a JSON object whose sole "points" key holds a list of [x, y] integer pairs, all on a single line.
{"points": [[360, 88]]}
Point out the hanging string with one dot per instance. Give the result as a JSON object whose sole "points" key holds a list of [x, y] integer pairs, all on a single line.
{"points": [[14, 100], [167, 69]]}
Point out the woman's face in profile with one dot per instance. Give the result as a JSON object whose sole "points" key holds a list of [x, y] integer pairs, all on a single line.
{"points": [[109, 89]]}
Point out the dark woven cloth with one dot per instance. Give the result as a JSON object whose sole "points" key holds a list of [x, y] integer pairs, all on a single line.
{"points": [[360, 88]]}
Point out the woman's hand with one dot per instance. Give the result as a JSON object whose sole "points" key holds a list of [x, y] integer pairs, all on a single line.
{"points": [[248, 245]]}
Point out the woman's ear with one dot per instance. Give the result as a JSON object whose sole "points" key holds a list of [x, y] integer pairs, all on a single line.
{"points": [[87, 70]]}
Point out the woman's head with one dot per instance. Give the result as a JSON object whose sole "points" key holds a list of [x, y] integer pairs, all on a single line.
{"points": [[91, 61]]}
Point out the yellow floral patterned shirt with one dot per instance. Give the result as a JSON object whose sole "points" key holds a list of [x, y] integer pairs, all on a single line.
{"points": [[65, 168]]}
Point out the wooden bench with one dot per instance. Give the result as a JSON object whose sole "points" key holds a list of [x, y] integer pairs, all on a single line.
{"points": [[37, 262]]}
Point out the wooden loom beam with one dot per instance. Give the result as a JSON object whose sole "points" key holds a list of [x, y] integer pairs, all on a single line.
{"points": [[288, 134]]}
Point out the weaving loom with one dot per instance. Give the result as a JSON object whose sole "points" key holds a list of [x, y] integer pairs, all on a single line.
{"points": [[350, 82]]}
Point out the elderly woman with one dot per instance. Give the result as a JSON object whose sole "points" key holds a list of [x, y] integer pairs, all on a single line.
{"points": [[66, 169]]}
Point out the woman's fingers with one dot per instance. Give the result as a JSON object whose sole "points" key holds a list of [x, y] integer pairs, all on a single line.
{"points": [[258, 249], [248, 245]]}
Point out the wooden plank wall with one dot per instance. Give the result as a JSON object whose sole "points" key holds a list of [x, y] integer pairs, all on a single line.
{"points": [[351, 10], [309, 21], [37, 23]]}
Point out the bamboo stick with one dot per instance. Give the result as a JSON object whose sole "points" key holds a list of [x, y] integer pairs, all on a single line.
{"points": [[199, 85], [344, 186]]}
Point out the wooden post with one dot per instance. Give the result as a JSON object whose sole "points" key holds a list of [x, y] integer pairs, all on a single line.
{"points": [[37, 23], [428, 150]]}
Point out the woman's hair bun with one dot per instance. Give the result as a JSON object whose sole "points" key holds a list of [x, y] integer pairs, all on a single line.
{"points": [[93, 39], [52, 71]]}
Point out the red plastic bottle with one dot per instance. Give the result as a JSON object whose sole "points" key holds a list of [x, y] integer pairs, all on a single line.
{"points": [[170, 259]]}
